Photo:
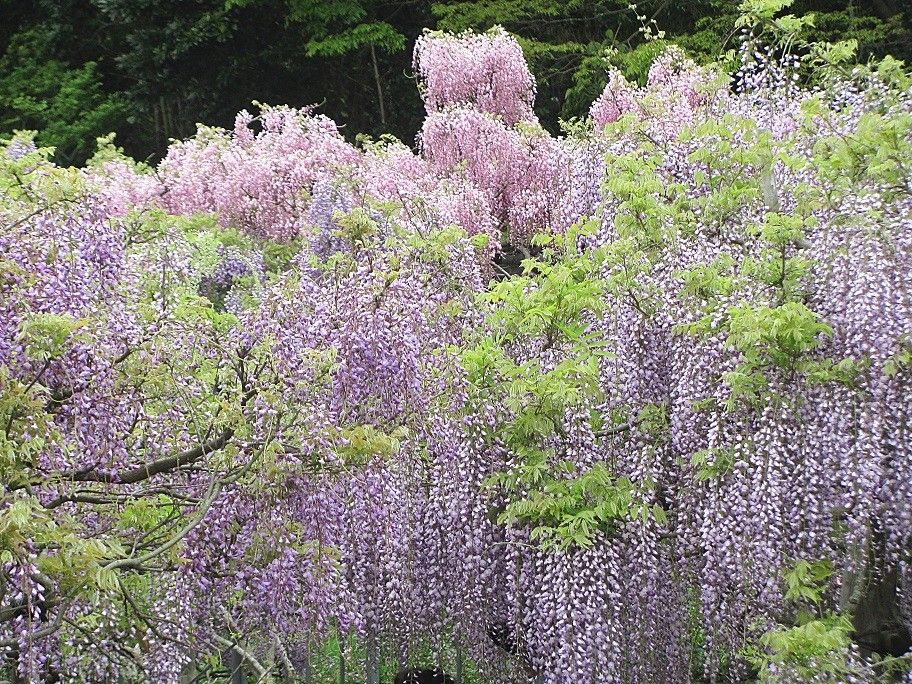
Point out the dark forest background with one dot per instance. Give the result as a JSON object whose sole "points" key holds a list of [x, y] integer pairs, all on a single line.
{"points": [[149, 70]]}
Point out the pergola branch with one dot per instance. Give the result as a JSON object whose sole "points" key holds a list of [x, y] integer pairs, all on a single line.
{"points": [[148, 470]]}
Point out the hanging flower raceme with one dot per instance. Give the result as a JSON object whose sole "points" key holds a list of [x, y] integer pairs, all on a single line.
{"points": [[676, 87], [486, 71], [523, 172], [424, 199]]}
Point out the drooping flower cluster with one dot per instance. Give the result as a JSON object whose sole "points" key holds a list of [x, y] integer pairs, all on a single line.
{"points": [[523, 172], [675, 90], [741, 311], [486, 71], [256, 182], [479, 95]]}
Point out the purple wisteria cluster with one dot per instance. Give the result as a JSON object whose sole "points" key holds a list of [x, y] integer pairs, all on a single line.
{"points": [[238, 411]]}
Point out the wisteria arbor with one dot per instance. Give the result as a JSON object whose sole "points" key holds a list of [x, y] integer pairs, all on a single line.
{"points": [[268, 400]]}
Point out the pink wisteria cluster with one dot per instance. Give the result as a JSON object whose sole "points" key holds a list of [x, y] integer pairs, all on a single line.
{"points": [[523, 172], [486, 71], [236, 411], [674, 93]]}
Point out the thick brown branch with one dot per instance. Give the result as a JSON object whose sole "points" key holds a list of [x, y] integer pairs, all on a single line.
{"points": [[147, 470], [617, 429], [165, 465]]}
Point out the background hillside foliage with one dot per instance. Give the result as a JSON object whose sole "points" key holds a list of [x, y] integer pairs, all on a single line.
{"points": [[152, 69]]}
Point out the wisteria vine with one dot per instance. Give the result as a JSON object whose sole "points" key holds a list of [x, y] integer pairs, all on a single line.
{"points": [[273, 393]]}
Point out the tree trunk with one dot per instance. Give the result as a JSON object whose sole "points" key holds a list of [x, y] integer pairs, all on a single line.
{"points": [[379, 86], [871, 597], [308, 670], [235, 665], [372, 666], [876, 617], [341, 662], [459, 664]]}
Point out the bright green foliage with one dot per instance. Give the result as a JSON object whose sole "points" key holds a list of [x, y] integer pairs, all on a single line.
{"points": [[548, 303], [818, 642], [779, 265], [78, 560], [46, 336], [570, 512], [816, 647], [775, 336], [29, 181], [900, 361], [338, 27], [712, 463], [806, 580], [147, 513], [278, 256], [709, 284], [646, 218], [724, 166], [549, 306], [549, 299], [360, 444], [67, 104], [877, 152], [783, 339]]}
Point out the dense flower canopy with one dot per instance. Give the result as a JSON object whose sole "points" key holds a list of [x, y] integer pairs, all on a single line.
{"points": [[267, 396]]}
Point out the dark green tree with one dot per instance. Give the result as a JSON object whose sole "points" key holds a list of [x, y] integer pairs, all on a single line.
{"points": [[149, 70]]}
